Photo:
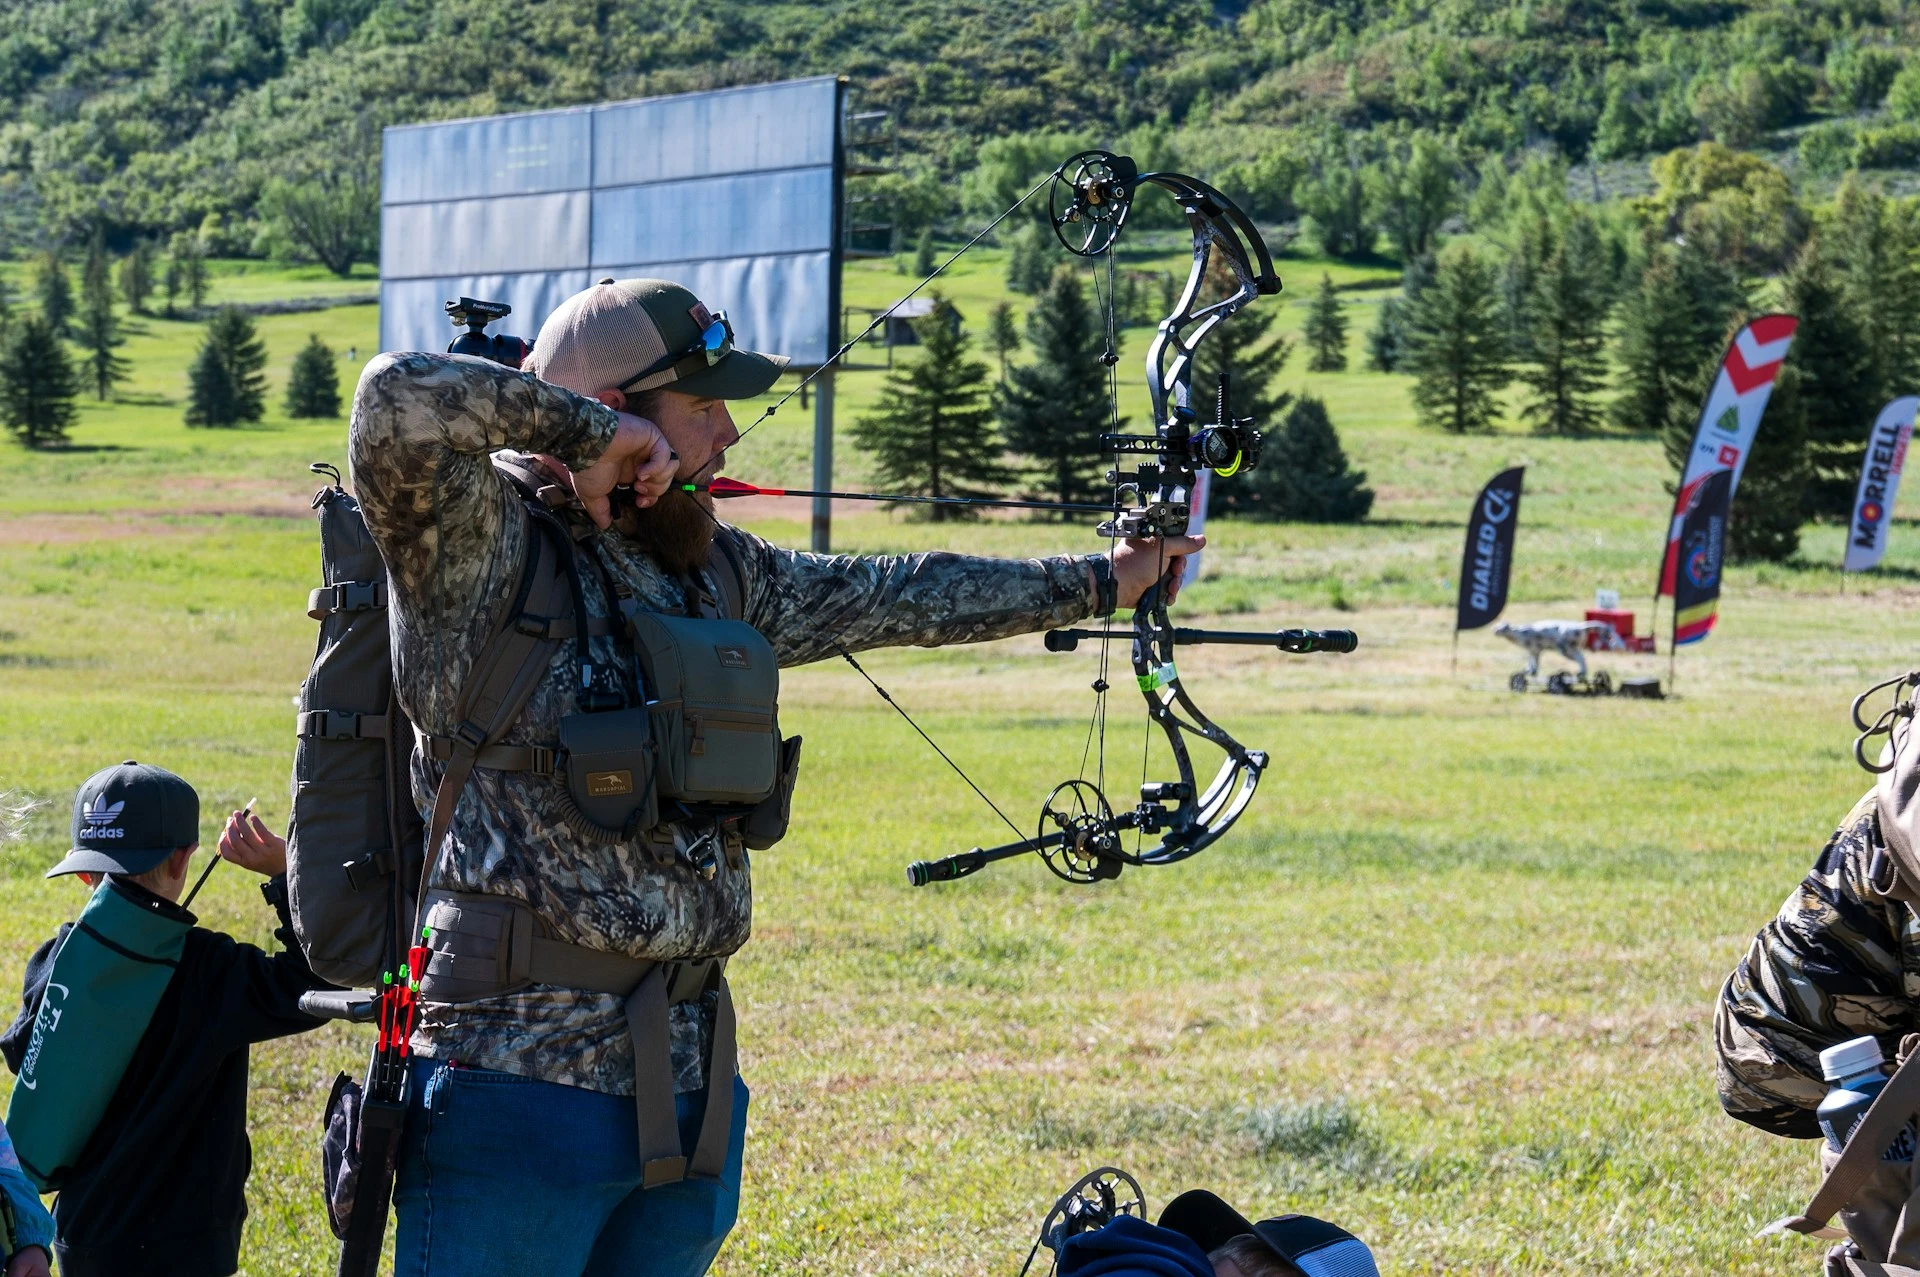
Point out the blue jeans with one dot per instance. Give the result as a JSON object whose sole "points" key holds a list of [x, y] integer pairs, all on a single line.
{"points": [[502, 1174]]}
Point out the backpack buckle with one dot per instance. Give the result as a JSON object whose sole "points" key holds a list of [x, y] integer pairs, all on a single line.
{"points": [[368, 871]]}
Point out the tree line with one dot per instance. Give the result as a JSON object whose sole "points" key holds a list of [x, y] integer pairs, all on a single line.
{"points": [[943, 427], [70, 343], [1616, 317], [257, 120]]}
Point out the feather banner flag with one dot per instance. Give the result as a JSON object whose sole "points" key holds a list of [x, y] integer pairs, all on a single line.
{"points": [[1487, 562], [1728, 421], [1879, 484], [1703, 548]]}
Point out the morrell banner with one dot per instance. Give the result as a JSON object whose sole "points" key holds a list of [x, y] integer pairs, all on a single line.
{"points": [[1487, 562], [1729, 420], [1879, 483]]}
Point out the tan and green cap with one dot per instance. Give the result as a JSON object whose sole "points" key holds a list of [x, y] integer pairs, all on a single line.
{"points": [[607, 336]]}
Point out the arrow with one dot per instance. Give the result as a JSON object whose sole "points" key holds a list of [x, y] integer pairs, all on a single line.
{"points": [[722, 488]]}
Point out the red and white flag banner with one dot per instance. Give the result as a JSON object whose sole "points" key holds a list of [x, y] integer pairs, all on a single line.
{"points": [[1729, 419], [1879, 484]]}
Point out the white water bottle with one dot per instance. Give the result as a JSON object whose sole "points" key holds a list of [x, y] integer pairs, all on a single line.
{"points": [[1858, 1073]]}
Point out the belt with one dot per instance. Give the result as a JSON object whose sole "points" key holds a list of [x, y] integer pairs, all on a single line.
{"points": [[483, 946]]}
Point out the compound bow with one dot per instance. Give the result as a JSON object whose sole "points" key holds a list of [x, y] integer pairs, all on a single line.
{"points": [[1080, 835]]}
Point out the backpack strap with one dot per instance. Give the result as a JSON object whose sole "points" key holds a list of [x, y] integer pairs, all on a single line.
{"points": [[730, 574], [504, 677], [1889, 1114]]}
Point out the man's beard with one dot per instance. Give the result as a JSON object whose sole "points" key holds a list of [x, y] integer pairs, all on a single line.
{"points": [[676, 531]]}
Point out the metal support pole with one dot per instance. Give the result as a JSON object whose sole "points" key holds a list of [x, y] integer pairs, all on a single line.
{"points": [[823, 462]]}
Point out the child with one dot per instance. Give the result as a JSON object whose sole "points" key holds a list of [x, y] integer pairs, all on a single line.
{"points": [[26, 1230], [157, 1188]]}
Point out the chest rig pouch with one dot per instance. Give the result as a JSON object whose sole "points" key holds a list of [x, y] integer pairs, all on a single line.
{"points": [[705, 741], [713, 692]]}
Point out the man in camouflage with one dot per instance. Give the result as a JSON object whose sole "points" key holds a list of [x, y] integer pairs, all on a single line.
{"points": [[1840, 960], [520, 1147]]}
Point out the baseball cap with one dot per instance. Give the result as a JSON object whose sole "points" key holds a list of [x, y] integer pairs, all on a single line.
{"points": [[1315, 1247], [127, 819], [646, 334]]}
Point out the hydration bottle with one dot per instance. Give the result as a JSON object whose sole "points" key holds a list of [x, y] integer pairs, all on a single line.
{"points": [[1857, 1071]]}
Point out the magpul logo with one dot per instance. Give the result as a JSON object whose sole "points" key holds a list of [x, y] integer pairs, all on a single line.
{"points": [[97, 818]]}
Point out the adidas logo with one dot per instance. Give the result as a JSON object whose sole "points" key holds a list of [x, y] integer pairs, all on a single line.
{"points": [[97, 819]]}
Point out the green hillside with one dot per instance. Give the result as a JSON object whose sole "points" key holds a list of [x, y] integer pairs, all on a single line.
{"points": [[156, 115]]}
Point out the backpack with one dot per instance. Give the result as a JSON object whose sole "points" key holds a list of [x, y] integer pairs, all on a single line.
{"points": [[354, 836], [356, 847]]}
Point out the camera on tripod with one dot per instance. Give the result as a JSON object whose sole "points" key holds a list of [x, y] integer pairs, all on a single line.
{"points": [[474, 315]]}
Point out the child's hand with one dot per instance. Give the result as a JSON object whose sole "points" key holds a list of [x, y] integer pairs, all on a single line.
{"points": [[30, 1262], [251, 845]]}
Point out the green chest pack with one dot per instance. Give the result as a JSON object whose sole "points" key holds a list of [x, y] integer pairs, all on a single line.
{"points": [[704, 743]]}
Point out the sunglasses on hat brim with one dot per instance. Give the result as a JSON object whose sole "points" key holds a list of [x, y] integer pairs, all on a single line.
{"points": [[714, 344]]}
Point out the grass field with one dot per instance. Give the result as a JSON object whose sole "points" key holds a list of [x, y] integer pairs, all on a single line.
{"points": [[1449, 981]]}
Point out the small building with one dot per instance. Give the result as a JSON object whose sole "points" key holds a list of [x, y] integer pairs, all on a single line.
{"points": [[898, 328]]}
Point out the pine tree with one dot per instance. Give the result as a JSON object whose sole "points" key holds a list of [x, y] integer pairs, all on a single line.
{"points": [[923, 260], [1564, 314], [1003, 334], [224, 383], [187, 269], [1455, 346], [53, 289], [1768, 506], [1054, 409], [1387, 339], [932, 432], [97, 275], [37, 384], [100, 329], [1835, 395], [313, 387], [1672, 334], [172, 280], [1033, 259], [1874, 249], [1303, 474], [1326, 330], [136, 277]]}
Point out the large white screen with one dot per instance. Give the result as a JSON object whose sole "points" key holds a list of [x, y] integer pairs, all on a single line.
{"points": [[732, 193]]}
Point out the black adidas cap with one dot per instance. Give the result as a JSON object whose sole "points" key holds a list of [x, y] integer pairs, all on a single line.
{"points": [[127, 819]]}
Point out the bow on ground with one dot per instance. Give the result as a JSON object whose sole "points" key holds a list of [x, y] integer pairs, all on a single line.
{"points": [[1079, 835]]}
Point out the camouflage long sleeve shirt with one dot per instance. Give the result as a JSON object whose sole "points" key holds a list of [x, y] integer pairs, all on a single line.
{"points": [[454, 540], [1840, 960]]}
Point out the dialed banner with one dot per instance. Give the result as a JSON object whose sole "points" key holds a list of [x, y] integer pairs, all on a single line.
{"points": [[1487, 563]]}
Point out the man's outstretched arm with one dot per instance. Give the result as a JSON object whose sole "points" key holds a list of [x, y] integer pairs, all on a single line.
{"points": [[1829, 966]]}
